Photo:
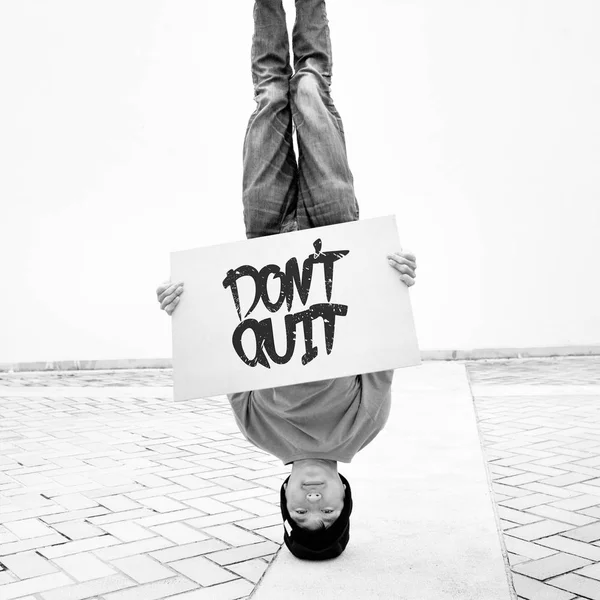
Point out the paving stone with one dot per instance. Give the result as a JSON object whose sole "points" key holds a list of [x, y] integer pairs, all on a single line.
{"points": [[254, 492], [228, 557], [28, 564], [551, 566], [75, 501], [531, 589], [584, 488], [515, 559], [578, 502], [32, 543], [529, 549], [210, 506], [75, 547], [77, 530], [592, 571], [541, 529], [202, 571], [258, 507], [551, 490], [528, 501], [558, 542], [192, 482], [587, 533], [88, 589], [131, 548], [273, 533], [567, 479], [119, 502], [179, 533], [124, 515], [37, 512], [593, 512], [75, 515], [252, 569], [162, 504], [156, 590], [6, 577], [589, 588], [558, 514], [227, 517], [520, 479], [83, 566], [170, 517], [259, 522], [29, 528], [189, 550], [127, 531], [235, 536], [142, 568], [34, 585], [204, 492], [233, 590], [517, 516], [234, 483]]}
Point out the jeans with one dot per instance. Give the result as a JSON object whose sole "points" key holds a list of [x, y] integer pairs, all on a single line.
{"points": [[281, 193]]}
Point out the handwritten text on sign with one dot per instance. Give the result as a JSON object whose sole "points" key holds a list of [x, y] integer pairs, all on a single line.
{"points": [[304, 306], [290, 280]]}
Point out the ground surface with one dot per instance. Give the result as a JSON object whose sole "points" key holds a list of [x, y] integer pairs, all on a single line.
{"points": [[109, 490]]}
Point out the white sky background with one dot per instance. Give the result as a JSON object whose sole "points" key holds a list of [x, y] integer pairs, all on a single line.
{"points": [[122, 124]]}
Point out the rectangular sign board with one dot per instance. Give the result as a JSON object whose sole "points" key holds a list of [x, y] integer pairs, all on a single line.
{"points": [[290, 308]]}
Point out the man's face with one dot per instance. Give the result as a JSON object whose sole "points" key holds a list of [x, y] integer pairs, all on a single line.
{"points": [[314, 496]]}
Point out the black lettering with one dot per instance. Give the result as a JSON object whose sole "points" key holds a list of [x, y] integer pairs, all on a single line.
{"points": [[231, 281], [259, 330], [327, 259], [264, 292]]}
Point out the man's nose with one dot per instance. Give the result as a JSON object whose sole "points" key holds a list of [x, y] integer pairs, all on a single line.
{"points": [[313, 496]]}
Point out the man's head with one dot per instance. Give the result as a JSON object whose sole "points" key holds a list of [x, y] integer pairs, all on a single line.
{"points": [[316, 502]]}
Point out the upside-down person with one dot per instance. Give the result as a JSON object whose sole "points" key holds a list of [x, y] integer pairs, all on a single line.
{"points": [[310, 426]]}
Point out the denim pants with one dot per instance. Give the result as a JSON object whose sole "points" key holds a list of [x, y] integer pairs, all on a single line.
{"points": [[281, 193]]}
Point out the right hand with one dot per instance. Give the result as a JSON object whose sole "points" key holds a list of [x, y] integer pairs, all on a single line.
{"points": [[168, 295]]}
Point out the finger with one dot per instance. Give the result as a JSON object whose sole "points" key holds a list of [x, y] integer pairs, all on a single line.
{"points": [[403, 267], [168, 291], [401, 258], [408, 280], [409, 255], [162, 287], [170, 298], [172, 306]]}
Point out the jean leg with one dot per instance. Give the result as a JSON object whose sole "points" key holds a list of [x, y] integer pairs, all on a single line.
{"points": [[326, 185], [270, 174]]}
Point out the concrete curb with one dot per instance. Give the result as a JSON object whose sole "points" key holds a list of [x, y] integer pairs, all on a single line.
{"points": [[426, 355]]}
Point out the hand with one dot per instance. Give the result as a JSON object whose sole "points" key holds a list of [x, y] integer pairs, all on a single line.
{"points": [[168, 295], [406, 264]]}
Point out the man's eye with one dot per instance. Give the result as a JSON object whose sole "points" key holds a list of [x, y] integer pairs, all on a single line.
{"points": [[327, 511], [300, 511]]}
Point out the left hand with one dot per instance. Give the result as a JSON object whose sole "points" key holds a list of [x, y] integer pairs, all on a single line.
{"points": [[406, 264]]}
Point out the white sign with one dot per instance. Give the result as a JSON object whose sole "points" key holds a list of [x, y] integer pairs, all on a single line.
{"points": [[290, 308]]}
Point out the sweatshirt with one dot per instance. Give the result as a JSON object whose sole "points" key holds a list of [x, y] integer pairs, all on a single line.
{"points": [[330, 419]]}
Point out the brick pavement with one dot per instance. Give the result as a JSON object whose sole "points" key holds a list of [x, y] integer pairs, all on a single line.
{"points": [[542, 451], [106, 494], [116, 497]]}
